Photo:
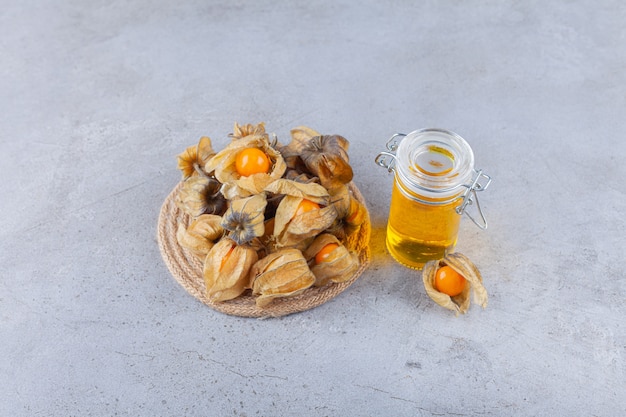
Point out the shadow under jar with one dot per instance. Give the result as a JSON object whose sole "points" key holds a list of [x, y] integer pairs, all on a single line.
{"points": [[434, 182]]}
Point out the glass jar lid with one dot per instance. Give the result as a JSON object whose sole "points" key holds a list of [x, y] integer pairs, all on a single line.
{"points": [[434, 163]]}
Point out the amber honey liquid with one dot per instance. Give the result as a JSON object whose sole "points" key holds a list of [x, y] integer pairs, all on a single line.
{"points": [[418, 232]]}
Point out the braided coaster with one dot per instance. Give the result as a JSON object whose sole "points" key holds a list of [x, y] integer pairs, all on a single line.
{"points": [[187, 269]]}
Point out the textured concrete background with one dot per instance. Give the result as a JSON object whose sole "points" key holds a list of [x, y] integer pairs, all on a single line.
{"points": [[98, 97]]}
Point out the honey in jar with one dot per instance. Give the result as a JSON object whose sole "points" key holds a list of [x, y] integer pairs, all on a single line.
{"points": [[434, 181]]}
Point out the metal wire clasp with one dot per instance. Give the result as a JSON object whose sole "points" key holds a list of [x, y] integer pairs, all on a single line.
{"points": [[388, 159], [469, 197]]}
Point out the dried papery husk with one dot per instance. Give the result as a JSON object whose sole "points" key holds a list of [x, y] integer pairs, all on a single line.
{"points": [[291, 229], [284, 273], [200, 235], [236, 185], [353, 224], [296, 164], [227, 270], [243, 131], [311, 191], [195, 157], [357, 213], [201, 195], [273, 200], [327, 158], [265, 244], [337, 229], [300, 136], [459, 303], [260, 249], [463, 266], [340, 198], [269, 229], [244, 218], [208, 226], [337, 267], [294, 192], [197, 245], [300, 176], [351, 215]]}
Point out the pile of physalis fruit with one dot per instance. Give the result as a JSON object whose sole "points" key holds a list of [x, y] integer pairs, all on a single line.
{"points": [[274, 219]]}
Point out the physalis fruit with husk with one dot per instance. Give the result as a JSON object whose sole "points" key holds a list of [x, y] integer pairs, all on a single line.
{"points": [[227, 270], [200, 236], [462, 265], [193, 159], [235, 185], [244, 218], [325, 156], [284, 273], [200, 194], [270, 219], [303, 213], [330, 261], [351, 214]]}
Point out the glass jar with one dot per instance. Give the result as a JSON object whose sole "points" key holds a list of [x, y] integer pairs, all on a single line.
{"points": [[434, 182]]}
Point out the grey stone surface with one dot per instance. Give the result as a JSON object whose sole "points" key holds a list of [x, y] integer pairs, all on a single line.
{"points": [[98, 97]]}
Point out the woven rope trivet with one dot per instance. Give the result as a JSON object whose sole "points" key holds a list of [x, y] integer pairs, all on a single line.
{"points": [[187, 269]]}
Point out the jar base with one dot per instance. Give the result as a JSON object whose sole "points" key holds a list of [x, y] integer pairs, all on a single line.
{"points": [[414, 254]]}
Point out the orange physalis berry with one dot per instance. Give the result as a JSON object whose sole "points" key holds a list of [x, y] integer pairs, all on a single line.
{"points": [[225, 258], [252, 161], [324, 253], [306, 205], [352, 217], [449, 282]]}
